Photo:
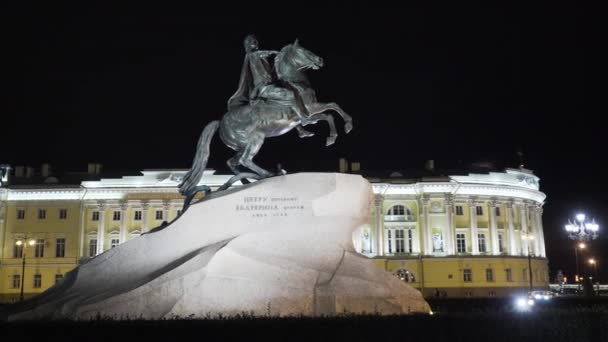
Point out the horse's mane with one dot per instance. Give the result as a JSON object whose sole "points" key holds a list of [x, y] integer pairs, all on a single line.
{"points": [[279, 58]]}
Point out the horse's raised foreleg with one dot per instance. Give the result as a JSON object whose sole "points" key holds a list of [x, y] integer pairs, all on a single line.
{"points": [[333, 134], [322, 107], [253, 147]]}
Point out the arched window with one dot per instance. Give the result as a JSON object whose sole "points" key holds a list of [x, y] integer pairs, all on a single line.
{"points": [[398, 210], [405, 275]]}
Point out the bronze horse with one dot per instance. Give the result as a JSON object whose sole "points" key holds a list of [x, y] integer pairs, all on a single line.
{"points": [[245, 128]]}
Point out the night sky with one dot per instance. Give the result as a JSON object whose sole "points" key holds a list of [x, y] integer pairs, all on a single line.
{"points": [[132, 88]]}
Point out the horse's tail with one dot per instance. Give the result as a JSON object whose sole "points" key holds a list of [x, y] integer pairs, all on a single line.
{"points": [[188, 186]]}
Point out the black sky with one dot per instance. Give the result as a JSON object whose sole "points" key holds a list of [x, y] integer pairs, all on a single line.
{"points": [[132, 87]]}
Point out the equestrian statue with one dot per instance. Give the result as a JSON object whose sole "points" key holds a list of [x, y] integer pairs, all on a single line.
{"points": [[270, 101]]}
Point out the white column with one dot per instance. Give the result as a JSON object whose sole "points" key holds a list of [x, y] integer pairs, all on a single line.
{"points": [[101, 229], [378, 236], [81, 240], [533, 228], [123, 222], [166, 206], [450, 247], [493, 228], [510, 223], [524, 228], [3, 210], [428, 242], [145, 205], [539, 229], [473, 220]]}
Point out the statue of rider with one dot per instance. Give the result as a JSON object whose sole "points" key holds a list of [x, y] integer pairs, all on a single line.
{"points": [[257, 81]]}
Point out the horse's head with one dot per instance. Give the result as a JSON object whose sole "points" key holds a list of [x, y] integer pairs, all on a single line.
{"points": [[294, 58]]}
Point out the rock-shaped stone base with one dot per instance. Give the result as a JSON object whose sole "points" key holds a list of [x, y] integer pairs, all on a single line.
{"points": [[280, 246]]}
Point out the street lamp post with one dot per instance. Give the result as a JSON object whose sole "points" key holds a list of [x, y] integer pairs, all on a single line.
{"points": [[581, 231], [23, 243], [529, 238], [581, 246], [597, 281]]}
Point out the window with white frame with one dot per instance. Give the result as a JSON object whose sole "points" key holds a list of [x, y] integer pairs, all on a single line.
{"points": [[116, 216], [489, 275], [37, 281], [481, 241], [467, 275], [461, 243], [20, 214], [497, 211], [41, 214], [58, 278], [60, 248], [92, 247], [479, 210], [501, 247], [410, 241], [508, 274], [459, 210], [114, 242], [39, 248], [16, 281], [396, 210], [95, 216], [63, 214], [399, 242], [159, 214], [137, 215]]}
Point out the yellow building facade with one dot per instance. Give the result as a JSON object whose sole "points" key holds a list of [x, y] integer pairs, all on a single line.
{"points": [[458, 236]]}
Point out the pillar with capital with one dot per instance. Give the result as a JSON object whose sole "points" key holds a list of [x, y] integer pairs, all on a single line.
{"points": [[145, 205], [166, 207], [493, 227], [523, 216], [449, 208], [123, 221], [511, 226], [539, 229], [101, 229], [426, 228], [473, 219], [379, 223]]}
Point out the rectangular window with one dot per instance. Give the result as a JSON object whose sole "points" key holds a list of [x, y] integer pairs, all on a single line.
{"points": [[16, 281], [17, 251], [459, 210], [179, 212], [63, 214], [95, 216], [500, 244], [481, 239], [390, 242], [410, 241], [37, 281], [497, 211], [92, 247], [116, 216], [41, 214], [137, 215], [58, 278], [39, 248], [489, 274], [60, 248], [461, 244], [479, 210], [20, 214], [467, 275], [159, 214], [399, 241], [114, 242], [509, 274]]}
